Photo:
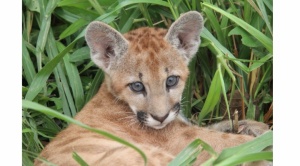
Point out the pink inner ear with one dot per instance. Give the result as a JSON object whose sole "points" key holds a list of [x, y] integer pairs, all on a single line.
{"points": [[101, 46], [187, 39], [184, 34], [106, 44], [97, 50]]}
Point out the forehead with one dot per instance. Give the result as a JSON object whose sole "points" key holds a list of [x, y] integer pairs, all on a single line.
{"points": [[149, 53], [146, 39], [149, 58]]}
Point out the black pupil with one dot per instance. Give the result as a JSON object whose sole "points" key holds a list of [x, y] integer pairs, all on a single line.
{"points": [[171, 81]]}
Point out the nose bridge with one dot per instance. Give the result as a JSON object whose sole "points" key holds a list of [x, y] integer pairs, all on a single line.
{"points": [[157, 96], [158, 102]]}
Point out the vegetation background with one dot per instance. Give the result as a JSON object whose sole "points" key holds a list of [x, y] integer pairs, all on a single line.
{"points": [[233, 69]]}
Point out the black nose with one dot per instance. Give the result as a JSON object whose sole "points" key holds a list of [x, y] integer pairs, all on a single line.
{"points": [[160, 119]]}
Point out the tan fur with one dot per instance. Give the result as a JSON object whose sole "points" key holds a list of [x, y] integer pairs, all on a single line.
{"points": [[150, 56]]}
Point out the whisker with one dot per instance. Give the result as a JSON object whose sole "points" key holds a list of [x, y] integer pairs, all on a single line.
{"points": [[126, 118], [132, 122]]}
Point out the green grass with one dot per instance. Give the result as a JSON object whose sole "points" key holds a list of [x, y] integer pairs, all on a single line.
{"points": [[236, 54]]}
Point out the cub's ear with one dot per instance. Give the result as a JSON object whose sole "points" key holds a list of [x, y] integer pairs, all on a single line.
{"points": [[184, 34], [106, 44]]}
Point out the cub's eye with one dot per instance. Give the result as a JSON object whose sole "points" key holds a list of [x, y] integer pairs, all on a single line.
{"points": [[137, 87], [172, 81]]}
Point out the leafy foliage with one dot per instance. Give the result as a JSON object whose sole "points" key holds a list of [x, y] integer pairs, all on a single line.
{"points": [[235, 56]]}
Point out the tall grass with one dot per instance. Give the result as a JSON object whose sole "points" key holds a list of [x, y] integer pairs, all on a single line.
{"points": [[235, 57]]}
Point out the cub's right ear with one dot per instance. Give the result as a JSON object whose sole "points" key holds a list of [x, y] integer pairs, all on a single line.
{"points": [[106, 44]]}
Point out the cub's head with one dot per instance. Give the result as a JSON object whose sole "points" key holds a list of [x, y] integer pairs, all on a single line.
{"points": [[147, 67]]}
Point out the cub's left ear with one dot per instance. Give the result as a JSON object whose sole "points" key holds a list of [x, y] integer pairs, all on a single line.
{"points": [[184, 34]]}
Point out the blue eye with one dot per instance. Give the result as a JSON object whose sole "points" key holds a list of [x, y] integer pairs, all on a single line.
{"points": [[172, 81], [137, 87]]}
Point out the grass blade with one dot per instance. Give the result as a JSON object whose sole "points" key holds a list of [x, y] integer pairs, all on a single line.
{"points": [[75, 3], [60, 78], [80, 54], [97, 6], [125, 3], [39, 81], [79, 159], [267, 42], [73, 28], [44, 29], [41, 42], [126, 21], [269, 4], [207, 35], [264, 14], [247, 39], [99, 77], [212, 98], [248, 158], [188, 155], [264, 79], [188, 90], [260, 62], [215, 24], [144, 11], [66, 15], [229, 155], [27, 65], [74, 79]]}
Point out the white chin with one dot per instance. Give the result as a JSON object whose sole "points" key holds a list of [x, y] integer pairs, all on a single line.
{"points": [[158, 126]]}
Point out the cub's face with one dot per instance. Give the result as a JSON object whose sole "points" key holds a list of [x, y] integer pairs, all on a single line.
{"points": [[147, 67], [150, 77]]}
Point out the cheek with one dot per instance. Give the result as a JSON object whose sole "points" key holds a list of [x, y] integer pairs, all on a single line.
{"points": [[177, 92], [117, 87], [136, 102], [174, 97]]}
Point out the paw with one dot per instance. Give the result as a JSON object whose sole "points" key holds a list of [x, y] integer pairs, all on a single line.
{"points": [[246, 127], [251, 127]]}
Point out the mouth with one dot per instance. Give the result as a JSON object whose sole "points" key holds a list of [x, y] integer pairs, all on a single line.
{"points": [[156, 122], [149, 121]]}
